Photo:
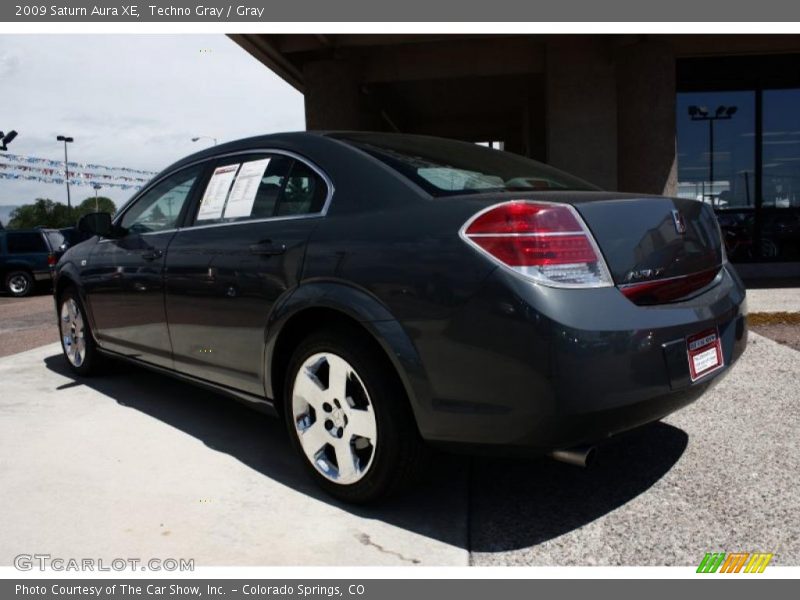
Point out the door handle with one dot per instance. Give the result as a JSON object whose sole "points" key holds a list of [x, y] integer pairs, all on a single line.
{"points": [[267, 248], [152, 254]]}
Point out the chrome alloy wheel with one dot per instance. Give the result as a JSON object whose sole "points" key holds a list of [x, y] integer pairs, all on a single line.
{"points": [[73, 333], [334, 418], [18, 284]]}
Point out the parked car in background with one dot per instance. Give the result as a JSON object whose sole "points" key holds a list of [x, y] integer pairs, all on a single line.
{"points": [[382, 292], [28, 257]]}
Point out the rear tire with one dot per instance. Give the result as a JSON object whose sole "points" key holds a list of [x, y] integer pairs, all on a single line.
{"points": [[77, 342], [349, 418], [19, 283]]}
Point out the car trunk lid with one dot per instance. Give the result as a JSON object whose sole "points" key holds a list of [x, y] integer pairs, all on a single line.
{"points": [[657, 249]]}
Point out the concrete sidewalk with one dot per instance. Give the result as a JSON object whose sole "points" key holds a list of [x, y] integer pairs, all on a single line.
{"points": [[135, 464], [765, 300]]}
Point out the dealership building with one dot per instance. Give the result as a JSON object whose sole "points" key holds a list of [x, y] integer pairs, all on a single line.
{"points": [[711, 117]]}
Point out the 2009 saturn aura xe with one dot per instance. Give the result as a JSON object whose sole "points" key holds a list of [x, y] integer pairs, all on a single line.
{"points": [[384, 291]]}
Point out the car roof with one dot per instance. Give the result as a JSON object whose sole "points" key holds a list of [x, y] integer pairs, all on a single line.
{"points": [[250, 143], [289, 140]]}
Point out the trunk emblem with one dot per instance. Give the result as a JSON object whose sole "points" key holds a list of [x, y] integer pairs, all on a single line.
{"points": [[680, 224]]}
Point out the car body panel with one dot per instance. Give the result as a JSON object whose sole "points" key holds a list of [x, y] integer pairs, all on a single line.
{"points": [[219, 296], [124, 285]]}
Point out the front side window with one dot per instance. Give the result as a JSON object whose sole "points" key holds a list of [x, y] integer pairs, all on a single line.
{"points": [[446, 167], [159, 208]]}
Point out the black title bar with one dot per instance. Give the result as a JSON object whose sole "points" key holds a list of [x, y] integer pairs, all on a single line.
{"points": [[405, 10]]}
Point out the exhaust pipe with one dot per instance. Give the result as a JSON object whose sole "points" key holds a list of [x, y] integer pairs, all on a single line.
{"points": [[580, 456]]}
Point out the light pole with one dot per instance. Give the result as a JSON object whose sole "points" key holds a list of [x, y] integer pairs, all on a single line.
{"points": [[700, 113], [205, 137], [96, 187], [66, 140]]}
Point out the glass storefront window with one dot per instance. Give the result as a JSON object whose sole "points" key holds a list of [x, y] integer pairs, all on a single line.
{"points": [[716, 150], [781, 149], [780, 183], [718, 139]]}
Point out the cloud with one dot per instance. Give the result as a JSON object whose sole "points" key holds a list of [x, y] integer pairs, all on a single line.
{"points": [[9, 64], [133, 100]]}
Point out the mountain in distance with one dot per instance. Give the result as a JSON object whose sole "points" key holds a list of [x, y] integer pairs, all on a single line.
{"points": [[5, 212]]}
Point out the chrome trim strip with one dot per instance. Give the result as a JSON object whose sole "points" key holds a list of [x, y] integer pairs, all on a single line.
{"points": [[316, 215], [644, 282]]}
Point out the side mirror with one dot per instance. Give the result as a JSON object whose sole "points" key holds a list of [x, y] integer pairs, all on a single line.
{"points": [[98, 223]]}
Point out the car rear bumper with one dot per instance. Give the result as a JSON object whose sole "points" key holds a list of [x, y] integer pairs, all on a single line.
{"points": [[539, 369]]}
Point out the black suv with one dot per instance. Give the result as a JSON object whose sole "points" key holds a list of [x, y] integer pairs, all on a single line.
{"points": [[28, 256]]}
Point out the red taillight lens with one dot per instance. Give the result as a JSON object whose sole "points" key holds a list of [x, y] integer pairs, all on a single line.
{"points": [[545, 242], [519, 251], [51, 260], [525, 218]]}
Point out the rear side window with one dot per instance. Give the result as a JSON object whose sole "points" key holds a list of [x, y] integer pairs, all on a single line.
{"points": [[56, 239], [25, 242], [260, 187], [305, 192]]}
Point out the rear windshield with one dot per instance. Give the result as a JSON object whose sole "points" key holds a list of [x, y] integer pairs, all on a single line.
{"points": [[446, 167]]}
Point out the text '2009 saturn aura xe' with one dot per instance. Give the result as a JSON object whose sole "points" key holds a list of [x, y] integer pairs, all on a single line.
{"points": [[385, 292]]}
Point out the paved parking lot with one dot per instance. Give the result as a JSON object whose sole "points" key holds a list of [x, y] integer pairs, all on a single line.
{"points": [[26, 323], [135, 464]]}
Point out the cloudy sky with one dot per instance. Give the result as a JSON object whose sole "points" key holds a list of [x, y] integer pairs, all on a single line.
{"points": [[131, 101]]}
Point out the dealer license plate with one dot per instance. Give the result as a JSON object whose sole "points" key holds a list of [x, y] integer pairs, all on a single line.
{"points": [[705, 353]]}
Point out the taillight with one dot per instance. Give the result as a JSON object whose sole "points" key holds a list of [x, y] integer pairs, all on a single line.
{"points": [[545, 242], [51, 260]]}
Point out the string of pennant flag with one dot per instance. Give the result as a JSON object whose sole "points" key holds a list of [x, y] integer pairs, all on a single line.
{"points": [[43, 170], [50, 171], [35, 160], [60, 180]]}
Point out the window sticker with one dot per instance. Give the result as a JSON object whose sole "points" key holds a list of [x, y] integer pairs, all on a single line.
{"points": [[213, 202], [245, 188]]}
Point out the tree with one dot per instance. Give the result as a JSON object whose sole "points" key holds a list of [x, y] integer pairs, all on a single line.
{"points": [[104, 204], [46, 213], [42, 213]]}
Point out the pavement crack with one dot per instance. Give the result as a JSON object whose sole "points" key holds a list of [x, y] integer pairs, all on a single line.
{"points": [[367, 541]]}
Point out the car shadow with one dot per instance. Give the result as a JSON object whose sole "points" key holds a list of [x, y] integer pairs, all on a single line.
{"points": [[504, 504]]}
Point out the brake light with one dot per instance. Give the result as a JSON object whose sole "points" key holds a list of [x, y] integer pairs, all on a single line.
{"points": [[51, 260], [542, 241]]}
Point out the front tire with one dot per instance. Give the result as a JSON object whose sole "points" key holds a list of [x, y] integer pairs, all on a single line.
{"points": [[20, 283], [349, 418], [76, 336]]}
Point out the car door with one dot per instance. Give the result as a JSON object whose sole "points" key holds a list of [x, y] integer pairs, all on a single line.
{"points": [[124, 279], [242, 251]]}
